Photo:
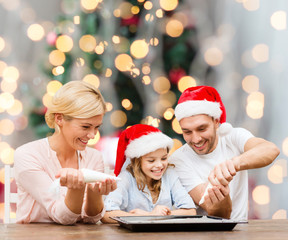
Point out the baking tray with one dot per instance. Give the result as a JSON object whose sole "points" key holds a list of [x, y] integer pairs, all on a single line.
{"points": [[176, 223]]}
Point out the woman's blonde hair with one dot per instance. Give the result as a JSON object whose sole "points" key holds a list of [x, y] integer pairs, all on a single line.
{"points": [[75, 99]]}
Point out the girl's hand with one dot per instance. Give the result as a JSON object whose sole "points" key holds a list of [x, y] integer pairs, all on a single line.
{"points": [[139, 211], [71, 178], [161, 210], [104, 187]]}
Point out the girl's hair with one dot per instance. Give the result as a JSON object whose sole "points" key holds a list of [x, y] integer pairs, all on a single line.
{"points": [[75, 99], [135, 169]]}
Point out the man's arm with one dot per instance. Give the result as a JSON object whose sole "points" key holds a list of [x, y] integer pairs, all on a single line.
{"points": [[257, 153], [217, 202]]}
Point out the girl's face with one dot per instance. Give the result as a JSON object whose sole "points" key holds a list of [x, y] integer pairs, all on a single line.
{"points": [[77, 132], [154, 164]]}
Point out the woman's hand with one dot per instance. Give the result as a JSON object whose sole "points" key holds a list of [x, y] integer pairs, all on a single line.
{"points": [[103, 187], [71, 178]]}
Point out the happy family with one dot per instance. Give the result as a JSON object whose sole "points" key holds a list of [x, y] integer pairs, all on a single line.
{"points": [[206, 176]]}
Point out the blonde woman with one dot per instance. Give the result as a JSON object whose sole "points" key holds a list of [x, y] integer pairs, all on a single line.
{"points": [[149, 186], [76, 113]]}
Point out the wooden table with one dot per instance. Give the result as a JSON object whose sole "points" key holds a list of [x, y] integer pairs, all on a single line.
{"points": [[255, 229]]}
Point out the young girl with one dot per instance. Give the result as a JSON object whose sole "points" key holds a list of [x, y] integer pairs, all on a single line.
{"points": [[147, 186]]}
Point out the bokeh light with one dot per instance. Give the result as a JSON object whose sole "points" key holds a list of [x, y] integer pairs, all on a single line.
{"points": [[261, 194], [159, 13], [126, 103], [93, 141], [6, 100], [250, 83], [16, 109], [176, 126], [92, 79], [3, 65], [260, 53], [255, 105], [7, 155], [6, 127], [109, 106], [125, 10], [285, 146], [10, 74], [148, 5], [139, 49], [35, 32], [64, 43], [58, 70], [123, 62], [168, 114], [278, 20], [161, 85], [57, 58], [47, 99], [275, 174], [213, 56], [251, 5], [2, 44], [87, 43], [9, 87], [89, 5], [177, 144], [154, 41], [53, 87], [186, 82], [108, 72], [168, 5], [118, 118], [174, 28], [280, 214], [146, 80], [146, 68], [76, 20]]}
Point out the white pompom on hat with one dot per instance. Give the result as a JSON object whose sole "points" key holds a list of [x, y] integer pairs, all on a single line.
{"points": [[203, 100], [138, 140]]}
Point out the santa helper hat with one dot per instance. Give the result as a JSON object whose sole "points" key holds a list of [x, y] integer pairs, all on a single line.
{"points": [[203, 100], [138, 140]]}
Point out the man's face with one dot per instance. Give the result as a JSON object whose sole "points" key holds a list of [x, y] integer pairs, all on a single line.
{"points": [[199, 132]]}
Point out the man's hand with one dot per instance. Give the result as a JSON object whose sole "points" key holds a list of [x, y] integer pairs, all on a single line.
{"points": [[222, 173], [218, 202]]}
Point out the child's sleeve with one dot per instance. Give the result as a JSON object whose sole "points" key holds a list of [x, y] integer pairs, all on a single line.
{"points": [[180, 197], [118, 199]]}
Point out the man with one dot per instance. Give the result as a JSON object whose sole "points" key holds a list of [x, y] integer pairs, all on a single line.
{"points": [[213, 163]]}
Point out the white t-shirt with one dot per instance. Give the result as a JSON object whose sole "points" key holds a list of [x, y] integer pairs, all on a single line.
{"points": [[194, 169]]}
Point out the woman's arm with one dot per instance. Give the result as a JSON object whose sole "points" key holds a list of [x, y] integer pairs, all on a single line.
{"points": [[94, 203]]}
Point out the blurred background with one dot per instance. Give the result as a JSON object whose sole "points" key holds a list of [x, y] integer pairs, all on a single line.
{"points": [[142, 54]]}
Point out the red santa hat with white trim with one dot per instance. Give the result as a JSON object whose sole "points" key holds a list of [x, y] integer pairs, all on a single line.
{"points": [[203, 100], [138, 140]]}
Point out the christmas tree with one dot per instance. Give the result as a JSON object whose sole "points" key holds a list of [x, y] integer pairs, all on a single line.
{"points": [[139, 54]]}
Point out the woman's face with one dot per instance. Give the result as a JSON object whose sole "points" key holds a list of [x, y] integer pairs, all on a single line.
{"points": [[77, 132], [154, 164]]}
